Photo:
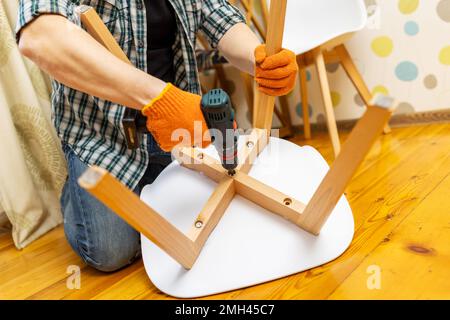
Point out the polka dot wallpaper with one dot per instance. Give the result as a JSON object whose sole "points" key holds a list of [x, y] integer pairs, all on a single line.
{"points": [[404, 53]]}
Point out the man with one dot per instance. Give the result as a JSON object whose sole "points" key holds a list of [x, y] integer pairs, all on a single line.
{"points": [[91, 88]]}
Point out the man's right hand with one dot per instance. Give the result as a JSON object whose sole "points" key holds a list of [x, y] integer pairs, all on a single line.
{"points": [[176, 109]]}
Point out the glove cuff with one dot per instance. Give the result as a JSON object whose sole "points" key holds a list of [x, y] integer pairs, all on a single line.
{"points": [[147, 107]]}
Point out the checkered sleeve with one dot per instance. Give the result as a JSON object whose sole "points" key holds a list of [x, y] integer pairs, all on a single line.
{"points": [[31, 9], [218, 16]]}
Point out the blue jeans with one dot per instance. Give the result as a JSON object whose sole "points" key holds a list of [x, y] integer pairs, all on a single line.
{"points": [[100, 237]]}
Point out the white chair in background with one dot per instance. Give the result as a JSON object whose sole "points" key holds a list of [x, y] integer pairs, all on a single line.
{"points": [[316, 32]]}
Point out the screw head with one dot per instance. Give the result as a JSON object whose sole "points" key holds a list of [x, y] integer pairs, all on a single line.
{"points": [[198, 224], [250, 144]]}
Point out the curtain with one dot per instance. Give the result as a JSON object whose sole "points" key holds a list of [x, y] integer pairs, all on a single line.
{"points": [[32, 166]]}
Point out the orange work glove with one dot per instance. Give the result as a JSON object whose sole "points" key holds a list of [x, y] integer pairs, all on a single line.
{"points": [[175, 109], [275, 74]]}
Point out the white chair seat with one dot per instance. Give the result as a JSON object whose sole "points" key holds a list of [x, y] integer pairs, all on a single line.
{"points": [[249, 245], [311, 23]]}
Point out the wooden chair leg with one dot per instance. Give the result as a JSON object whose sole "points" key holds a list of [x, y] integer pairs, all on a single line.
{"points": [[286, 129], [264, 104], [249, 88], [305, 103], [248, 91], [354, 150], [265, 11], [327, 101], [356, 78], [287, 121]]}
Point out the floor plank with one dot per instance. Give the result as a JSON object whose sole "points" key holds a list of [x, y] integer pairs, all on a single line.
{"points": [[422, 241], [401, 210], [398, 182]]}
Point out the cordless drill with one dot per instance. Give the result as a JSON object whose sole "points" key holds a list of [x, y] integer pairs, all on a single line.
{"points": [[219, 116]]}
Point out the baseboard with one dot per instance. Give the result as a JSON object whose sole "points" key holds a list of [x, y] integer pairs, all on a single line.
{"points": [[397, 120], [438, 116]]}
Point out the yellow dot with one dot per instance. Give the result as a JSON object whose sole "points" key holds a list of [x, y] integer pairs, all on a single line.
{"points": [[408, 6], [382, 46], [335, 98], [444, 56], [380, 89]]}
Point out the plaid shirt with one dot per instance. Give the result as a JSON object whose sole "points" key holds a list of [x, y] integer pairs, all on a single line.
{"points": [[92, 127]]}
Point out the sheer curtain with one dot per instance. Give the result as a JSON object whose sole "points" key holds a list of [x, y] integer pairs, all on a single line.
{"points": [[32, 167]]}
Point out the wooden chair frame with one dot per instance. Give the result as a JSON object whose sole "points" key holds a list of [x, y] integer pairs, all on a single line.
{"points": [[283, 115], [185, 248]]}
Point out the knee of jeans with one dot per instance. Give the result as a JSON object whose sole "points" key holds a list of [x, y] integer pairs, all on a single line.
{"points": [[101, 241], [109, 259], [106, 257]]}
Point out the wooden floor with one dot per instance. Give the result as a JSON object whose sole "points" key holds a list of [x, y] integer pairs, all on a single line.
{"points": [[401, 202]]}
